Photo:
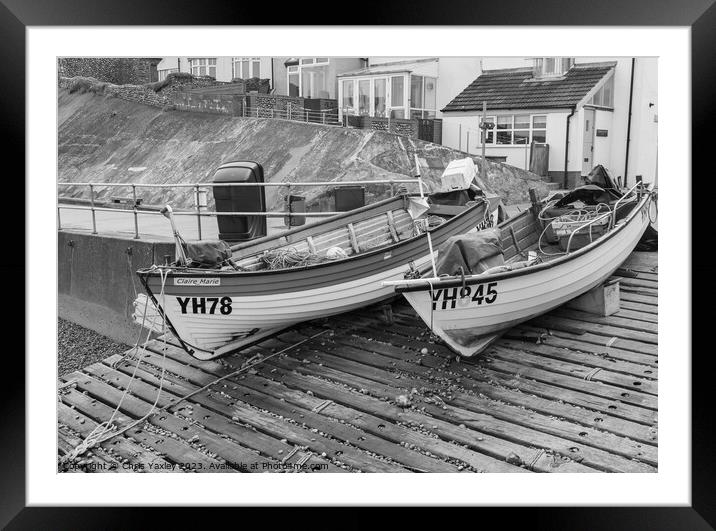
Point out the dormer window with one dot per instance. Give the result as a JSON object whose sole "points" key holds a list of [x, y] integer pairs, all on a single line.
{"points": [[552, 66]]}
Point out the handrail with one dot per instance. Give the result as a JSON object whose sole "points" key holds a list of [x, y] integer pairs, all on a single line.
{"points": [[210, 213], [201, 187], [614, 213], [211, 185], [588, 224]]}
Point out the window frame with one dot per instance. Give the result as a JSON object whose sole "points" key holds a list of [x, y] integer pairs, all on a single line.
{"points": [[252, 62], [371, 80], [303, 62], [492, 133], [202, 62], [424, 111]]}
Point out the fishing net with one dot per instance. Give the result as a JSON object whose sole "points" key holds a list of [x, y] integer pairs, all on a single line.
{"points": [[291, 257]]}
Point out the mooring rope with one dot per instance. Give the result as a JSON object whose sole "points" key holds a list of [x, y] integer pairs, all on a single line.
{"points": [[104, 431]]}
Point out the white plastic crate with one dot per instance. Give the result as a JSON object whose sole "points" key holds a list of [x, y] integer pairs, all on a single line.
{"points": [[458, 175]]}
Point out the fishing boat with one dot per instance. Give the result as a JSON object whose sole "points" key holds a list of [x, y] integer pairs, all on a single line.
{"points": [[529, 265], [314, 271]]}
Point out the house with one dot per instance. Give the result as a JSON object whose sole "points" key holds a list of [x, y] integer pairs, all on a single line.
{"points": [[220, 68], [586, 112], [404, 88]]}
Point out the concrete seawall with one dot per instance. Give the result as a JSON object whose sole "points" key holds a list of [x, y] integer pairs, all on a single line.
{"points": [[96, 280]]}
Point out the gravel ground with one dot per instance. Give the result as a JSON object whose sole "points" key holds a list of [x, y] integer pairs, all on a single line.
{"points": [[78, 347]]}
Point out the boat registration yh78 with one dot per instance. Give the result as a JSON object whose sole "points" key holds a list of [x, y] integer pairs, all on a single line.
{"points": [[318, 270]]}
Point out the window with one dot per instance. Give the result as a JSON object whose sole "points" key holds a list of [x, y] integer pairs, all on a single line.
{"points": [[246, 67], [552, 66], [397, 98], [364, 97], [539, 129], [605, 95], [379, 97], [309, 79], [204, 66], [293, 80], [422, 96], [348, 97], [515, 130]]}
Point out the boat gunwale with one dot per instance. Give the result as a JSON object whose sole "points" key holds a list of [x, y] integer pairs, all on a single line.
{"points": [[210, 273], [430, 284]]}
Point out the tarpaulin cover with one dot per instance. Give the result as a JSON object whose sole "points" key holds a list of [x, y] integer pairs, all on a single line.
{"points": [[474, 252], [208, 254]]}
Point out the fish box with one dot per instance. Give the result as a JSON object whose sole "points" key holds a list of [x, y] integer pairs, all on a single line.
{"points": [[458, 175]]}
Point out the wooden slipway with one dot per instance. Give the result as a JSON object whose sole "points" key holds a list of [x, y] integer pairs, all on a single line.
{"points": [[566, 392]]}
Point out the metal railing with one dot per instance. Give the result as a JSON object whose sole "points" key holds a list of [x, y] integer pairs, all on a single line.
{"points": [[294, 113], [198, 188]]}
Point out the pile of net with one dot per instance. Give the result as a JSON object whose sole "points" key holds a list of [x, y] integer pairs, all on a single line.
{"points": [[291, 257]]}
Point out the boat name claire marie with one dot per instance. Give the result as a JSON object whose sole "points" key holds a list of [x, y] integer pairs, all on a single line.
{"points": [[490, 281], [217, 298]]}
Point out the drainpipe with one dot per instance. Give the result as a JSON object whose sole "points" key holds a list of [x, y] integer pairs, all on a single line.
{"points": [[566, 148], [631, 96]]}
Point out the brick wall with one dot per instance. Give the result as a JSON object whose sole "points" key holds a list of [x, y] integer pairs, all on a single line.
{"points": [[116, 70]]}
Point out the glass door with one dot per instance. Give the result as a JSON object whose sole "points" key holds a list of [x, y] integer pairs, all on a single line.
{"points": [[380, 97]]}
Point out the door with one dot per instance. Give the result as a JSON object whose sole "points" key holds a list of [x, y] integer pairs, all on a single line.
{"points": [[588, 147]]}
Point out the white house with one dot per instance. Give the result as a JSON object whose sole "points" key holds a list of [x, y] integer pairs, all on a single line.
{"points": [[588, 112], [220, 68], [399, 87]]}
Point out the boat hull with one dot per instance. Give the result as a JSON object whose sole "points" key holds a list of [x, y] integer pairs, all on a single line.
{"points": [[216, 312], [495, 303]]}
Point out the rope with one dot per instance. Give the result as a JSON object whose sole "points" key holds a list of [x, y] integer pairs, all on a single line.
{"points": [[100, 433], [291, 257]]}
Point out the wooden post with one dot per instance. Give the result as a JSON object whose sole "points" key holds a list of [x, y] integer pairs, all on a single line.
{"points": [[534, 201], [459, 137], [467, 142]]}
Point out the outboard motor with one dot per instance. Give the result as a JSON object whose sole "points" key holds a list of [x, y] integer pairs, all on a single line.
{"points": [[240, 199]]}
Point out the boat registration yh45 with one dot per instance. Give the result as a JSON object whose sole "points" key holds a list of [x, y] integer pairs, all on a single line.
{"points": [[528, 265], [324, 268]]}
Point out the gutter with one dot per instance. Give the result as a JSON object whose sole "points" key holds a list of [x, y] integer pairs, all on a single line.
{"points": [[566, 148], [628, 139]]}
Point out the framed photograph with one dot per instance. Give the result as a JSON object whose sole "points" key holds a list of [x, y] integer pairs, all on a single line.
{"points": [[297, 253]]}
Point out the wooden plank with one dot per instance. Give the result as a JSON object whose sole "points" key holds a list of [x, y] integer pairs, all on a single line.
{"points": [[607, 441], [480, 371], [486, 423], [589, 360], [391, 226], [374, 425], [232, 453], [183, 455], [222, 424], [634, 384], [612, 320], [557, 320], [648, 300], [353, 239]]}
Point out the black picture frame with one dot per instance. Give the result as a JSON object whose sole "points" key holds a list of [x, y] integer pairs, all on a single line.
{"points": [[16, 15]]}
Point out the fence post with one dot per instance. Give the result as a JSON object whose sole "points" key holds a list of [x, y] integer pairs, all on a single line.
{"points": [[272, 109], [289, 110], [198, 210], [94, 220], [59, 222], [134, 207], [323, 117], [290, 208]]}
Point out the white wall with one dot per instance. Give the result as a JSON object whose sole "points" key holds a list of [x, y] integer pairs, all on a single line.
{"points": [[454, 74], [463, 123]]}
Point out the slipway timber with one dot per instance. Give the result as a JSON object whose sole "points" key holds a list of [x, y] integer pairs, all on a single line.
{"points": [[370, 391]]}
